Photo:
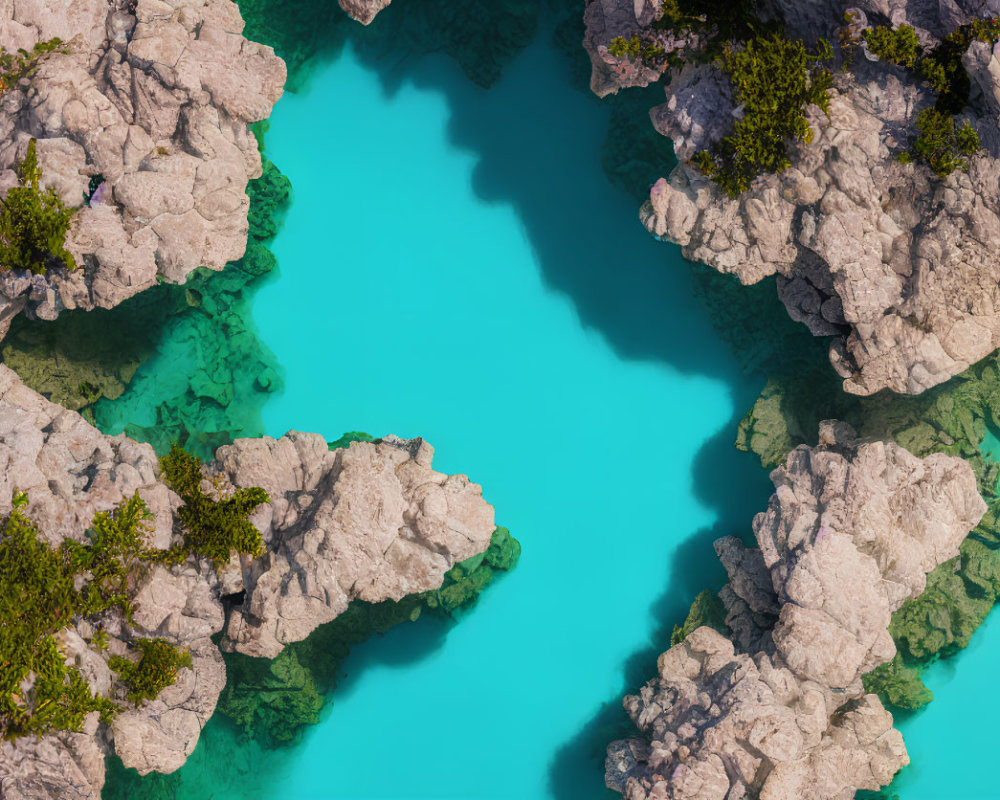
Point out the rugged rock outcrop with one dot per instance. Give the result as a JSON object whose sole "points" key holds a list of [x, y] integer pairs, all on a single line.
{"points": [[363, 11], [897, 265], [848, 536], [149, 100], [372, 521]]}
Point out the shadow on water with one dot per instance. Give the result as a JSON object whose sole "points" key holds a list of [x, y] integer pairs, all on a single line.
{"points": [[644, 308]]}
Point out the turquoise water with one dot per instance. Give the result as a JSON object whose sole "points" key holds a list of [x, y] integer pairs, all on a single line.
{"points": [[455, 265], [950, 747]]}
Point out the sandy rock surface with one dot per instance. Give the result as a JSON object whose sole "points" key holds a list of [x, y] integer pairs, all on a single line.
{"points": [[151, 100], [373, 521], [849, 535], [897, 265]]}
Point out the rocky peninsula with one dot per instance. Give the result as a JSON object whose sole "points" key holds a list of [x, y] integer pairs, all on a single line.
{"points": [[870, 246], [775, 706], [371, 521], [140, 115]]}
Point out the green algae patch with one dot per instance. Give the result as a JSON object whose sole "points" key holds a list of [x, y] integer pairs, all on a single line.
{"points": [[347, 438], [271, 701], [707, 609]]}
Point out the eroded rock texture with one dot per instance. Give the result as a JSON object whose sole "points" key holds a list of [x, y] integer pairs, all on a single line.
{"points": [[363, 11], [373, 521], [150, 100], [849, 535], [897, 265]]}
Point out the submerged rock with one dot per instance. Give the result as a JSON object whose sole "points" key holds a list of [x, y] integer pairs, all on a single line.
{"points": [[849, 535], [372, 521], [151, 100]]}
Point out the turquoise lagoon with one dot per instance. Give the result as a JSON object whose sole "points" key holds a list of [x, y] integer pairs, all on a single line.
{"points": [[456, 265]]}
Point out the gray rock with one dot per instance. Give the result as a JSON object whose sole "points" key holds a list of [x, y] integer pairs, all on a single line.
{"points": [[363, 11]]}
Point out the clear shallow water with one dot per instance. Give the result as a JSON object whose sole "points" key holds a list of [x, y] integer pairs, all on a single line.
{"points": [[456, 266]]}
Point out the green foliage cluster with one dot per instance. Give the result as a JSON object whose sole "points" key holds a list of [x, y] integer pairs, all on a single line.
{"points": [[33, 223], [942, 144], [22, 64], [37, 599], [773, 79], [721, 21], [157, 668], [271, 700], [211, 528], [898, 46], [952, 418], [707, 609], [43, 590], [638, 49]]}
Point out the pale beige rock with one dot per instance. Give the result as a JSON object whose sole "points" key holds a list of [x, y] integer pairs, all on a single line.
{"points": [[154, 97], [849, 535], [373, 521]]}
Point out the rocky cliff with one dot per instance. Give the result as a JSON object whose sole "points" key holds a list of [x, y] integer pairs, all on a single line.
{"points": [[779, 710], [143, 110], [373, 520], [893, 262]]}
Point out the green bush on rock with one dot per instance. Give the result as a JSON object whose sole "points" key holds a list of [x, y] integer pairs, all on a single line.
{"points": [[157, 668], [899, 46], [707, 609], [211, 528], [773, 79], [33, 223]]}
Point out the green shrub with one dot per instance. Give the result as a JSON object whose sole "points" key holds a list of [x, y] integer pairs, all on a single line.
{"points": [[33, 223], [721, 21], [37, 599], [211, 528], [773, 80], [899, 46], [638, 50], [942, 145], [157, 668]]}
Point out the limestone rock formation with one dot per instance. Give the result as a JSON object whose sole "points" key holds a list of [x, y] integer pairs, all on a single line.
{"points": [[849, 535], [372, 521], [896, 264], [149, 101], [363, 11]]}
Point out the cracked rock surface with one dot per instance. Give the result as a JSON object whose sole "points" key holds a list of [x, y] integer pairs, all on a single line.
{"points": [[151, 101], [373, 521], [779, 711]]}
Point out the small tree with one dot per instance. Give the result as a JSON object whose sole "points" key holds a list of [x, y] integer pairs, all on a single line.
{"points": [[33, 223]]}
